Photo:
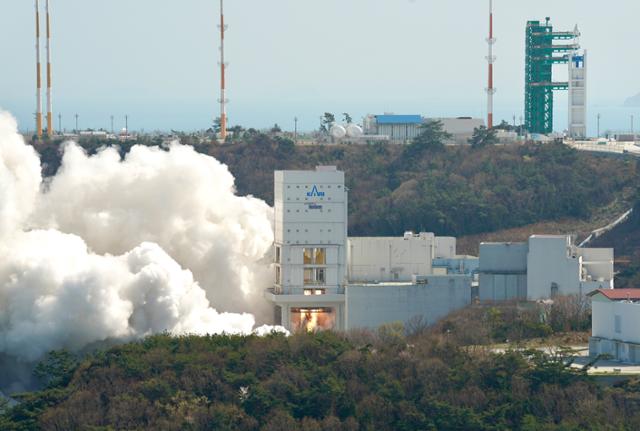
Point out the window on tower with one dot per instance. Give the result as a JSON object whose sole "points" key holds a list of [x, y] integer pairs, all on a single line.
{"points": [[314, 276], [315, 256]]}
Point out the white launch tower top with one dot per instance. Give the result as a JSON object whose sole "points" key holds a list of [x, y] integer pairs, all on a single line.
{"points": [[578, 92]]}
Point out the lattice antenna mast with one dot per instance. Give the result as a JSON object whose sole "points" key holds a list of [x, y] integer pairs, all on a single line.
{"points": [[49, 81], [491, 60], [223, 85], [38, 74]]}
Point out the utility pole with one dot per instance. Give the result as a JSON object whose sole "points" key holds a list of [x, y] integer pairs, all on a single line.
{"points": [[77, 130], [598, 125], [295, 130], [60, 123], [112, 124], [126, 125]]}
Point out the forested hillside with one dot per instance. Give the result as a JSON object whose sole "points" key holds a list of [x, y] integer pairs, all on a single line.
{"points": [[325, 381], [450, 191], [456, 191]]}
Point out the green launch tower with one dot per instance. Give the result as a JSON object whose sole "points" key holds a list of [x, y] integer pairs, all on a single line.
{"points": [[541, 55]]}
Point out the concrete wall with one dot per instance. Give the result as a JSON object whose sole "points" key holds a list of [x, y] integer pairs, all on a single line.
{"points": [[605, 315], [552, 264], [502, 287], [445, 247], [370, 306], [617, 350], [503, 271], [503, 257], [389, 259], [399, 132]]}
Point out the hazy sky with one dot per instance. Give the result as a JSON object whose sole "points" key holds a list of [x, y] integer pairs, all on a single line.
{"points": [[156, 59]]}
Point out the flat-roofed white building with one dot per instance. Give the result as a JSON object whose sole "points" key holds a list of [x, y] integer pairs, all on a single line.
{"points": [[390, 259], [615, 324], [544, 267]]}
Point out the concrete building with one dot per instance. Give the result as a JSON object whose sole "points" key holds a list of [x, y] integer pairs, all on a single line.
{"points": [[325, 280], [404, 128], [616, 324], [543, 267], [310, 248], [399, 128], [460, 128]]}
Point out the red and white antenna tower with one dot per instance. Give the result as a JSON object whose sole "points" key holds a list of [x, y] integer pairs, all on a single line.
{"points": [[223, 85], [49, 82], [38, 75], [491, 59]]}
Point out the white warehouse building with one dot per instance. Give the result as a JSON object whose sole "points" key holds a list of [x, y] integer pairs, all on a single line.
{"points": [[404, 128], [544, 267], [616, 324], [325, 280]]}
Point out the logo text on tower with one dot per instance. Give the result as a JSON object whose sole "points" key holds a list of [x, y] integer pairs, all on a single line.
{"points": [[314, 192]]}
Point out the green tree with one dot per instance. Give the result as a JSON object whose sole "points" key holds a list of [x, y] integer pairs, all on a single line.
{"points": [[483, 137], [57, 368], [347, 118], [328, 119], [217, 125], [432, 138]]}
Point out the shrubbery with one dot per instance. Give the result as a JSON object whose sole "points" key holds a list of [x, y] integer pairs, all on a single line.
{"points": [[328, 381]]}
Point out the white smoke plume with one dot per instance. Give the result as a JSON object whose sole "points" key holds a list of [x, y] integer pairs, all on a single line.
{"points": [[179, 199], [111, 249]]}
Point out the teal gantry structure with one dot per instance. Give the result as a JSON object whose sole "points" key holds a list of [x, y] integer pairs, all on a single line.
{"points": [[541, 55]]}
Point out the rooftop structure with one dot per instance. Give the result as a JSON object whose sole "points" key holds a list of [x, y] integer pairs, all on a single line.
{"points": [[399, 119]]}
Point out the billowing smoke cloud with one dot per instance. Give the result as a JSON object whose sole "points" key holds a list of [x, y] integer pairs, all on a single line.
{"points": [[179, 199], [19, 177], [112, 249]]}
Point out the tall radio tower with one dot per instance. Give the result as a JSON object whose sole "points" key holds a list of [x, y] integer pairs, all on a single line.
{"points": [[38, 75], [223, 67], [49, 100], [491, 59]]}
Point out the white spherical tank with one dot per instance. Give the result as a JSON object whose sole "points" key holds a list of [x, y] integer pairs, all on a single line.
{"points": [[354, 131], [338, 131]]}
